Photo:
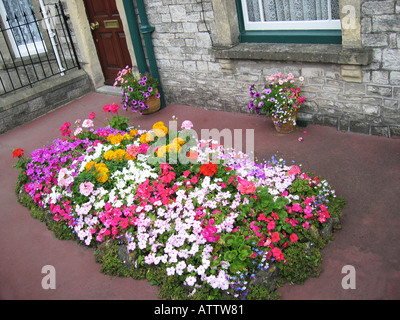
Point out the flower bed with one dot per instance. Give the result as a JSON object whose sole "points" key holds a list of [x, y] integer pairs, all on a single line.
{"points": [[197, 219]]}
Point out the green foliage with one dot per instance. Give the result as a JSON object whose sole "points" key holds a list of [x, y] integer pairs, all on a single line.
{"points": [[303, 261], [119, 122], [258, 292]]}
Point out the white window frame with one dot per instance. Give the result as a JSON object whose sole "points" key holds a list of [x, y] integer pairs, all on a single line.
{"points": [[22, 50], [329, 24]]}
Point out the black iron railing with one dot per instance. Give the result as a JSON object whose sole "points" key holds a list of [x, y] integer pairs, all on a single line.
{"points": [[34, 47]]}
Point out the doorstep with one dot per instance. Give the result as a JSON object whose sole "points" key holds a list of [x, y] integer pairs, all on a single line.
{"points": [[110, 90]]}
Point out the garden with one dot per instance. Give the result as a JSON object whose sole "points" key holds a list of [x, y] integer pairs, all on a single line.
{"points": [[195, 218]]}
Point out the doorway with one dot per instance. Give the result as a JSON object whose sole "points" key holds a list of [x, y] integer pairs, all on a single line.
{"points": [[109, 37]]}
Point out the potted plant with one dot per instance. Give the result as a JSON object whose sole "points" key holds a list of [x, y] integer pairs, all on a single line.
{"points": [[139, 92], [280, 98]]}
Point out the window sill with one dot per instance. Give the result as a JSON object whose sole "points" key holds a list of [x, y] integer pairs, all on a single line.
{"points": [[296, 52]]}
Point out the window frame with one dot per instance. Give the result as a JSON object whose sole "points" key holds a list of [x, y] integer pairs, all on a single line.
{"points": [[283, 33]]}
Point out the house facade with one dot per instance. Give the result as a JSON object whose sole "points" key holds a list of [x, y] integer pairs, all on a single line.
{"points": [[207, 53]]}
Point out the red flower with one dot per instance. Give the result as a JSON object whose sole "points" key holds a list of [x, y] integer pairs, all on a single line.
{"points": [[293, 237], [111, 107], [275, 237], [18, 153], [208, 169], [277, 253]]}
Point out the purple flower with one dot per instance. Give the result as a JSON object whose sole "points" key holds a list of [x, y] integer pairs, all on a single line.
{"points": [[267, 91]]}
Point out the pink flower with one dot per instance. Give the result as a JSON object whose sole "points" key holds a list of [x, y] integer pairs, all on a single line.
{"points": [[92, 115], [143, 148], [300, 139], [297, 207], [87, 123], [293, 237], [209, 233], [186, 173], [294, 170], [187, 124], [77, 131], [271, 225], [246, 187], [86, 188], [132, 150]]}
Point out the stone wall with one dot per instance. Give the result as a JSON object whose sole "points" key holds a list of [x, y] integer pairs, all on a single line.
{"points": [[352, 96]]}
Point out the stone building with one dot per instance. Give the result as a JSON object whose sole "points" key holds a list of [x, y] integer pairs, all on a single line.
{"points": [[208, 52]]}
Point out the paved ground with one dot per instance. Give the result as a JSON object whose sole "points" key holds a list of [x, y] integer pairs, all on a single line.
{"points": [[364, 169]]}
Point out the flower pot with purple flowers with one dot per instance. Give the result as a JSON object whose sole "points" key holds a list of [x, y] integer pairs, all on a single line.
{"points": [[139, 92], [279, 99]]}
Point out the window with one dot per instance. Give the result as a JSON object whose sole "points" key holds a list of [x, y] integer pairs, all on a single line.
{"points": [[22, 27], [307, 21]]}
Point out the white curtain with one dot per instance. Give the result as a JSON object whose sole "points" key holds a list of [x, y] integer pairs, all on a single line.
{"points": [[292, 10]]}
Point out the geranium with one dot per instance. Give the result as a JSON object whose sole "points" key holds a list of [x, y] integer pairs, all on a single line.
{"points": [[17, 153], [111, 108], [208, 169], [280, 98]]}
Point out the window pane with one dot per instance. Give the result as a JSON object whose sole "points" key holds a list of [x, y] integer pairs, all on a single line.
{"points": [[292, 10], [22, 21]]}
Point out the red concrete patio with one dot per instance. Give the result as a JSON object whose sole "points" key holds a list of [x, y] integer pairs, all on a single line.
{"points": [[364, 169]]}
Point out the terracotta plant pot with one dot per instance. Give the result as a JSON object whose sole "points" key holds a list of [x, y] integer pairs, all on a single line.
{"points": [[287, 127], [154, 104]]}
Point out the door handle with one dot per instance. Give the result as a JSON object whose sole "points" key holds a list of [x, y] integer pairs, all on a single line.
{"points": [[94, 25]]}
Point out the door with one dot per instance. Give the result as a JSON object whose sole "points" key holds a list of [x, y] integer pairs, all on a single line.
{"points": [[109, 37]]}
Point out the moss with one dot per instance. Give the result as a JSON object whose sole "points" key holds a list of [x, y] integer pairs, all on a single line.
{"points": [[258, 292], [303, 261]]}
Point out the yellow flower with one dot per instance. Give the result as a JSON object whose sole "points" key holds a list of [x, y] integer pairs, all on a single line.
{"points": [[158, 124], [133, 132], [146, 137], [178, 140], [100, 170], [115, 138], [89, 165], [109, 155], [174, 147], [160, 129], [161, 151], [120, 154]]}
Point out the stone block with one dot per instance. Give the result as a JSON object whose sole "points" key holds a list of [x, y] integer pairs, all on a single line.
{"points": [[384, 91], [359, 127], [378, 7], [377, 130], [380, 77], [386, 23], [331, 121], [351, 73], [394, 77], [394, 131], [391, 59], [374, 40], [266, 278]]}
